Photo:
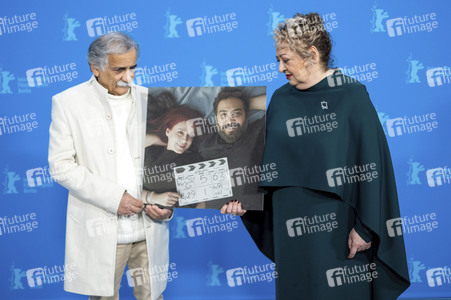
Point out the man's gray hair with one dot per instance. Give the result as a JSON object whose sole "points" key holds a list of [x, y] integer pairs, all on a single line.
{"points": [[110, 43]]}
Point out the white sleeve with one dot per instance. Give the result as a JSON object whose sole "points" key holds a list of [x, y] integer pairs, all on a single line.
{"points": [[65, 170]]}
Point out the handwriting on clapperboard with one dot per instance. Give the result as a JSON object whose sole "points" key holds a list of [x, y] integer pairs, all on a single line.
{"points": [[203, 181]]}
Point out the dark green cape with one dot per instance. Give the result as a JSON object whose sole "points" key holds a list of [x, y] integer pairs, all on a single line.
{"points": [[304, 158]]}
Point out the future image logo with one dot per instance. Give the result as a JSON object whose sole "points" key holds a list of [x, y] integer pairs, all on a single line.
{"points": [[195, 227], [249, 275], [438, 176], [100, 226], [438, 76], [394, 227], [35, 77], [211, 25], [237, 176], [34, 179], [253, 174], [18, 23], [125, 23], [155, 74], [46, 275], [195, 27], [18, 223], [43, 76], [35, 277], [251, 75], [411, 125], [412, 224], [311, 224], [438, 276], [383, 117], [235, 277], [353, 174], [159, 173], [210, 225], [235, 76], [338, 79], [349, 275], [156, 273], [18, 123], [38, 177], [140, 77], [410, 25], [95, 27], [201, 126], [362, 73], [312, 124], [435, 76], [137, 277]]}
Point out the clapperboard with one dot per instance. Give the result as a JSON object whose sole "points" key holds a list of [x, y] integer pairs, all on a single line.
{"points": [[203, 181]]}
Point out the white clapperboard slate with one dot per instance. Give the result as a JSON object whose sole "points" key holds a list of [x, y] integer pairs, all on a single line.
{"points": [[203, 181]]}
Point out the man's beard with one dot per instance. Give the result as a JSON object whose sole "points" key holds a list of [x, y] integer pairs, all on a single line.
{"points": [[235, 135]]}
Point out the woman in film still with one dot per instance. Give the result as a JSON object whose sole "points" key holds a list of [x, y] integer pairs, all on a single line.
{"points": [[169, 139]]}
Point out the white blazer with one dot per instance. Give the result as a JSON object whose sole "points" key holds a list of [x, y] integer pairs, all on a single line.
{"points": [[82, 159]]}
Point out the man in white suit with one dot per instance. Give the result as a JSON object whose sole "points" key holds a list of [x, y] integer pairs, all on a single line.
{"points": [[96, 151]]}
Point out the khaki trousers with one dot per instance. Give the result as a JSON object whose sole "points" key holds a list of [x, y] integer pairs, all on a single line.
{"points": [[135, 256]]}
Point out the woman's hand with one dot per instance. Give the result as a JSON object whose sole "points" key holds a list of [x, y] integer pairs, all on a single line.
{"points": [[356, 244], [167, 199], [233, 208]]}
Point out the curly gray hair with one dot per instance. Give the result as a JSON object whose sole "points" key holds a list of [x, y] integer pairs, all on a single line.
{"points": [[302, 32], [110, 43]]}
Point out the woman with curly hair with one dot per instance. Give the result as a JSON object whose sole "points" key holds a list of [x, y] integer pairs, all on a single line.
{"points": [[330, 216]]}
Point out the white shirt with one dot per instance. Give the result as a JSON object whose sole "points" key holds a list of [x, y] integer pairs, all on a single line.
{"points": [[130, 228]]}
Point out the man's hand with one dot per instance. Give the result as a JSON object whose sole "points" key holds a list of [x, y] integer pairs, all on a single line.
{"points": [[165, 199], [129, 205], [233, 208], [157, 213], [356, 244]]}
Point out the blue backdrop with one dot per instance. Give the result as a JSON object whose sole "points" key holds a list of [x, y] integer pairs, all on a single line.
{"points": [[398, 49]]}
